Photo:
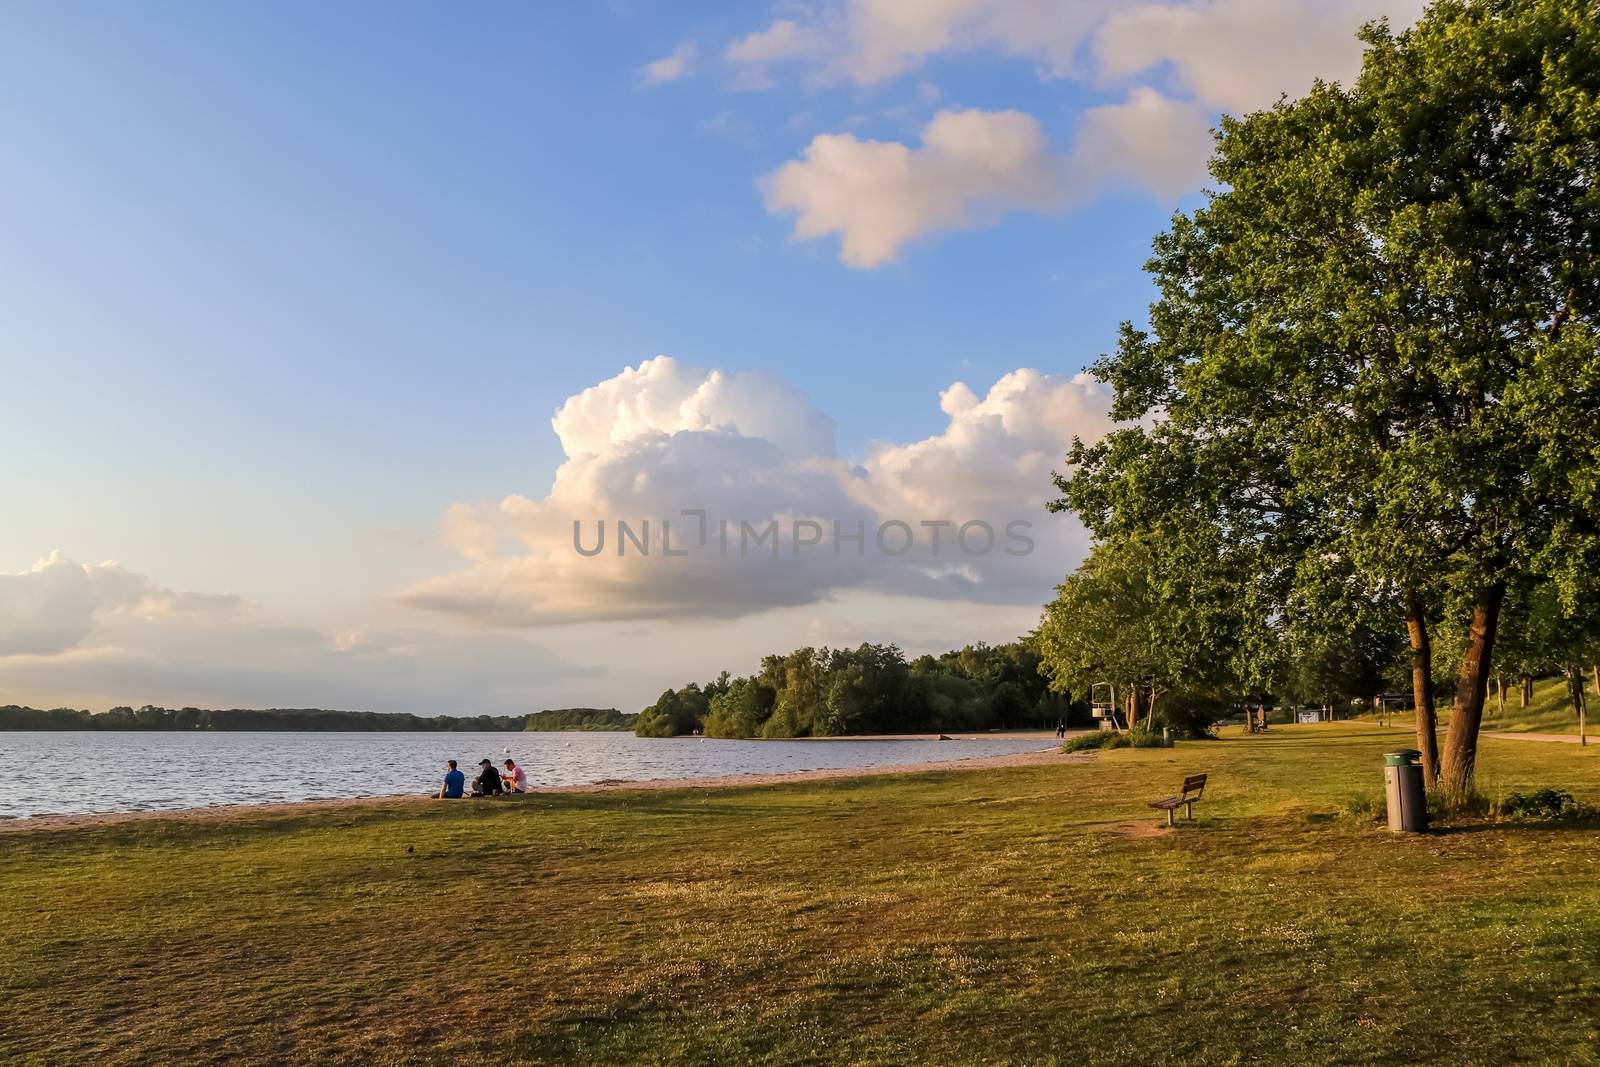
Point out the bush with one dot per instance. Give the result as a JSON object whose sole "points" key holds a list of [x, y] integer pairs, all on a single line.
{"points": [[1541, 804], [1138, 737], [1089, 742], [1143, 737], [1191, 718]]}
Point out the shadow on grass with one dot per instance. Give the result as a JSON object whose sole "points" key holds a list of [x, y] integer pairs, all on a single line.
{"points": [[1512, 825]]}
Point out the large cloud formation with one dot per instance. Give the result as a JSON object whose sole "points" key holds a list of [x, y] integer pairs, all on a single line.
{"points": [[55, 604], [1175, 64], [711, 460], [644, 445], [93, 635]]}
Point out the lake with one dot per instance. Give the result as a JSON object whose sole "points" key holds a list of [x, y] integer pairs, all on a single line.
{"points": [[80, 773]]}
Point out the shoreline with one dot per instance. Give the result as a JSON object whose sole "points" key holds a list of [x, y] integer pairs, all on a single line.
{"points": [[1039, 757]]}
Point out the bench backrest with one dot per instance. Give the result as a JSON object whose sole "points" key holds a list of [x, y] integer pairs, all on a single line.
{"points": [[1195, 783]]}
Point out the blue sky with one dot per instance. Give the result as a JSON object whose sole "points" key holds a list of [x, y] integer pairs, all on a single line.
{"points": [[285, 282]]}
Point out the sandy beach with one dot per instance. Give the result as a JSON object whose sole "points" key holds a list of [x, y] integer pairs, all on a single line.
{"points": [[1048, 753]]}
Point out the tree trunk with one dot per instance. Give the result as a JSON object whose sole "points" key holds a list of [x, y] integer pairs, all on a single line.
{"points": [[1136, 706], [1472, 686], [1575, 690], [1422, 689], [1525, 697], [1500, 692], [1594, 673]]}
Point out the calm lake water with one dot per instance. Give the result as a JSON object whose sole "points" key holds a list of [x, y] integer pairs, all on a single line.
{"points": [[79, 773]]}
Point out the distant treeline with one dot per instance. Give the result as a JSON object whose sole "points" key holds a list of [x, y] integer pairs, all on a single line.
{"points": [[581, 719], [822, 692], [150, 717]]}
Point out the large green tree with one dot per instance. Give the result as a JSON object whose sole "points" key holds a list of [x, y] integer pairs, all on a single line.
{"points": [[1359, 340], [739, 709], [1143, 615]]}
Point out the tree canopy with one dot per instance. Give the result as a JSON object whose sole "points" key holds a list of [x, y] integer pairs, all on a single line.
{"points": [[1375, 346], [151, 717], [872, 688]]}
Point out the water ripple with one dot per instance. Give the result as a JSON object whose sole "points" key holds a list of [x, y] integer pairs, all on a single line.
{"points": [[83, 772]]}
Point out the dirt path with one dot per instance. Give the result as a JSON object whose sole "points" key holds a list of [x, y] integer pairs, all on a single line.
{"points": [[1570, 739]]}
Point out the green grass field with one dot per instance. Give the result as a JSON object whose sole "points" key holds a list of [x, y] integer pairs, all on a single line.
{"points": [[1024, 915], [1550, 713]]}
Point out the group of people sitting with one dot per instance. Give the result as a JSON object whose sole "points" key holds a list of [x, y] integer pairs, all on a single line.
{"points": [[490, 782]]}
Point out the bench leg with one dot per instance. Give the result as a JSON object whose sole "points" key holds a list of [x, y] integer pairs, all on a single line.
{"points": [[1188, 810], [1169, 817]]}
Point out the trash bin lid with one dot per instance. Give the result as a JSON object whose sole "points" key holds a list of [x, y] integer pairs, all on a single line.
{"points": [[1404, 757]]}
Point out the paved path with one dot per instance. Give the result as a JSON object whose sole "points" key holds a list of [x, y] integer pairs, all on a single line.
{"points": [[1571, 739]]}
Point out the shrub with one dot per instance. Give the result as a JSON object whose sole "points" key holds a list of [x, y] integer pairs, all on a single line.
{"points": [[1143, 737], [1541, 804], [1190, 718], [1138, 737], [1088, 742]]}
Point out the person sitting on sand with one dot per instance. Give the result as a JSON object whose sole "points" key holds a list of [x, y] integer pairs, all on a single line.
{"points": [[515, 778], [487, 784], [453, 784]]}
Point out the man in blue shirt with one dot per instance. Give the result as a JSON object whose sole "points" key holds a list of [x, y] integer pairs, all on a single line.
{"points": [[454, 783]]}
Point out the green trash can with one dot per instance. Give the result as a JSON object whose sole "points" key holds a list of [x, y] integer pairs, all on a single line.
{"points": [[1402, 787]]}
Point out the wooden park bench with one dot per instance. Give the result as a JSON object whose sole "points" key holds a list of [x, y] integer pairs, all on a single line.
{"points": [[1194, 784]]}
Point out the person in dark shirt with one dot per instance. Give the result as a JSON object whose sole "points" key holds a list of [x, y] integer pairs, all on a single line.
{"points": [[453, 784], [487, 784]]}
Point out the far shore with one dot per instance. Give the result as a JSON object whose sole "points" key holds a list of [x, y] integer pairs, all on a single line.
{"points": [[402, 801]]}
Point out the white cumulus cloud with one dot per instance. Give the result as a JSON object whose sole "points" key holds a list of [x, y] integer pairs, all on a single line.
{"points": [[870, 41], [878, 195], [661, 396], [1236, 53], [669, 68], [973, 166], [1239, 55], [96, 635], [654, 442], [57, 602], [785, 39], [1176, 63], [1148, 140]]}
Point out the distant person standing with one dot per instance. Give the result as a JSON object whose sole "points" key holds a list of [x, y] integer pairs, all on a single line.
{"points": [[454, 783], [487, 784], [515, 778]]}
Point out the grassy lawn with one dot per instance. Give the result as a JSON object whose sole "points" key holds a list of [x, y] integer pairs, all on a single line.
{"points": [[1025, 915], [1550, 713]]}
